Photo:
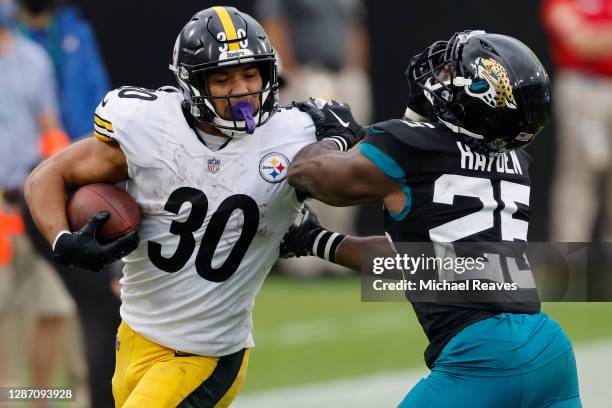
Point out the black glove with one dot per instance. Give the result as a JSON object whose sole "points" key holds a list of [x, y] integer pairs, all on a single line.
{"points": [[81, 248], [299, 239], [333, 121]]}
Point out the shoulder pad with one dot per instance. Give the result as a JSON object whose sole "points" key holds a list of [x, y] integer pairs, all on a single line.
{"points": [[415, 134], [288, 106], [117, 107], [291, 117], [400, 127], [168, 88]]}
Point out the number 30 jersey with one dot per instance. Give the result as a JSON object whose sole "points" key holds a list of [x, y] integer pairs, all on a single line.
{"points": [[212, 220]]}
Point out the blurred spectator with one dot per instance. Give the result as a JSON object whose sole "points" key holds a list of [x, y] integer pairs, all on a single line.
{"points": [[98, 308], [324, 49], [580, 34], [30, 287], [81, 75], [83, 82]]}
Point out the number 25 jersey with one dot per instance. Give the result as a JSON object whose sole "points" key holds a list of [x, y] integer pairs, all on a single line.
{"points": [[212, 220], [459, 196]]}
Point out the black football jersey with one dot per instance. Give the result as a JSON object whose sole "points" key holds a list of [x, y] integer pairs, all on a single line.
{"points": [[478, 203]]}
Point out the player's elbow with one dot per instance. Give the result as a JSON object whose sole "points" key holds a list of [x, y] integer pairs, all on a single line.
{"points": [[35, 179], [41, 176], [31, 182]]}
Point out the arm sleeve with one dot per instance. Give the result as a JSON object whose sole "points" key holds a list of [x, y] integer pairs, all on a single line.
{"points": [[385, 151], [383, 161]]}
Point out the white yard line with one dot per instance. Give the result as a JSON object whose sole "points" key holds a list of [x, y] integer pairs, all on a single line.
{"points": [[387, 389]]}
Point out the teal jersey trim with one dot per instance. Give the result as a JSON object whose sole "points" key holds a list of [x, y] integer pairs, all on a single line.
{"points": [[390, 167], [373, 131], [407, 206], [384, 162]]}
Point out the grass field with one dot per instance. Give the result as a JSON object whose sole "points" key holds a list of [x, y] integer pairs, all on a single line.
{"points": [[318, 332], [315, 331]]}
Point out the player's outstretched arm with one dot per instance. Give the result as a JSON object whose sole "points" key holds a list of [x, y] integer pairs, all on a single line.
{"points": [[352, 252], [339, 178], [309, 238], [85, 162], [324, 171]]}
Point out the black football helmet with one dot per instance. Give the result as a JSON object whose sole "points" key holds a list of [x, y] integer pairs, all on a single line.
{"points": [[218, 37], [489, 87]]}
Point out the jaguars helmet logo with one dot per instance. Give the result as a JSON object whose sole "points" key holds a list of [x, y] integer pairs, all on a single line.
{"points": [[492, 84]]}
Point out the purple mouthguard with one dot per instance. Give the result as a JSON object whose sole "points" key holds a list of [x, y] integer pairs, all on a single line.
{"points": [[244, 111]]}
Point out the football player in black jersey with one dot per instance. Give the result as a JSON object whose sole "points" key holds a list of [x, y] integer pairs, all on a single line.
{"points": [[459, 177]]}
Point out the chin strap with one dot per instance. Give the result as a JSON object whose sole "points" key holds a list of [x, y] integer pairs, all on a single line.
{"points": [[409, 114], [459, 129]]}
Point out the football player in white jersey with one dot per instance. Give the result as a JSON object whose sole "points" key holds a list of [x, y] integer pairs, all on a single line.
{"points": [[207, 165]]}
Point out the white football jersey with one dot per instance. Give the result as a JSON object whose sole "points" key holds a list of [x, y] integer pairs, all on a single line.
{"points": [[212, 220]]}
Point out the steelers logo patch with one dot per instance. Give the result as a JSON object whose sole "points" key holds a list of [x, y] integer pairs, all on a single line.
{"points": [[273, 167]]}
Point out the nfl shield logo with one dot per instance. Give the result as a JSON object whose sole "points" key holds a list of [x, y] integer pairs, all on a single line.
{"points": [[213, 165]]}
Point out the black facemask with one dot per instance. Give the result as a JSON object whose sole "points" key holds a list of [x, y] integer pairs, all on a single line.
{"points": [[38, 6]]}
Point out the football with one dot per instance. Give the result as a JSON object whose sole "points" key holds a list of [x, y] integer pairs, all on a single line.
{"points": [[91, 198]]}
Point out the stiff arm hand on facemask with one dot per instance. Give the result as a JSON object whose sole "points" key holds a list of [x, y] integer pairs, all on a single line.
{"points": [[333, 121]]}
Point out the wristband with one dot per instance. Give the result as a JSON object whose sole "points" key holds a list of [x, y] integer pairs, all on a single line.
{"points": [[339, 141], [325, 244]]}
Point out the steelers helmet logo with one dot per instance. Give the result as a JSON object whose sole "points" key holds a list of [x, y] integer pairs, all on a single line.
{"points": [[273, 167]]}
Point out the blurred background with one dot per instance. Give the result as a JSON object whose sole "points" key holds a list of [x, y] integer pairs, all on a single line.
{"points": [[317, 344]]}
